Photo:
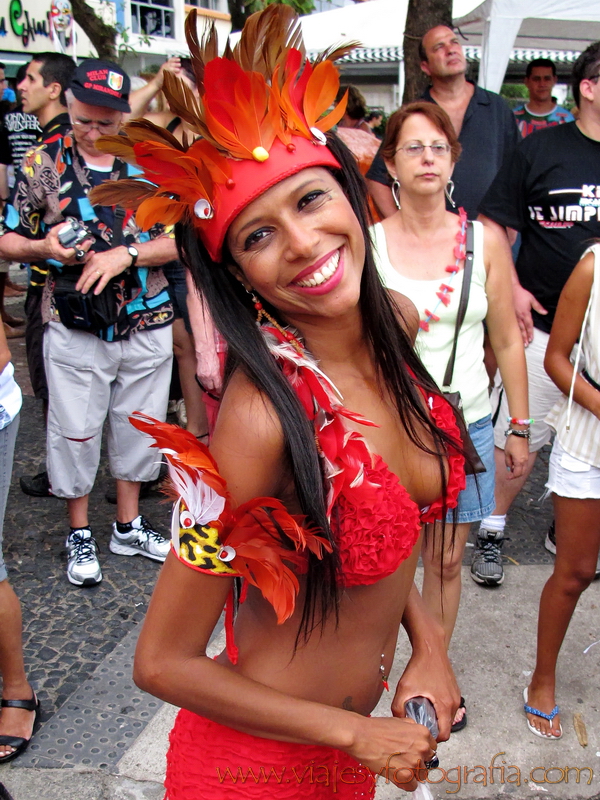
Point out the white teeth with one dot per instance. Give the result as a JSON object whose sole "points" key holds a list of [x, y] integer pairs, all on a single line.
{"points": [[324, 273]]}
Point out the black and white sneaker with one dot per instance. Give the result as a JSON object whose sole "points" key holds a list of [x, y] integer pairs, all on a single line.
{"points": [[550, 545], [138, 538], [486, 566], [83, 568]]}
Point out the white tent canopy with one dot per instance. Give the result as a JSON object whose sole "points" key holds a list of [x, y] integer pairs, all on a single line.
{"points": [[376, 23], [540, 24]]}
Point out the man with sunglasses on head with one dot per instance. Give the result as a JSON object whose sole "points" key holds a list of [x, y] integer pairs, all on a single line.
{"points": [[107, 314]]}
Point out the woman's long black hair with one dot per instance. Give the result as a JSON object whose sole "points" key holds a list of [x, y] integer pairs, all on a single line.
{"points": [[399, 368]]}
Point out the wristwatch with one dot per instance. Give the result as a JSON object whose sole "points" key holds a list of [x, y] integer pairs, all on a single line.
{"points": [[134, 253]]}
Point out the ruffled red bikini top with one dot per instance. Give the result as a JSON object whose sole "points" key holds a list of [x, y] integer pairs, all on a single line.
{"points": [[373, 518]]}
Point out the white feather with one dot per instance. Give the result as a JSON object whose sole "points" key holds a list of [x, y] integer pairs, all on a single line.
{"points": [[203, 502]]}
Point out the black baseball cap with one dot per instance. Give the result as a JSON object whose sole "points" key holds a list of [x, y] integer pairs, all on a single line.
{"points": [[101, 83]]}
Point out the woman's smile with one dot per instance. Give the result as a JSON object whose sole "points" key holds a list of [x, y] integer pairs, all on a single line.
{"points": [[323, 276]]}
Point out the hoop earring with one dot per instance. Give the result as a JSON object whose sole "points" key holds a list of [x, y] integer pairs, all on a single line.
{"points": [[396, 193], [449, 191]]}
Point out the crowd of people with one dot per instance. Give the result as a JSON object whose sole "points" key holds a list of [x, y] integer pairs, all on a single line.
{"points": [[372, 369]]}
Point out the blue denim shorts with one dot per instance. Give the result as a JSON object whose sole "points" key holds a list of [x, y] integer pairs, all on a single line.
{"points": [[476, 500]]}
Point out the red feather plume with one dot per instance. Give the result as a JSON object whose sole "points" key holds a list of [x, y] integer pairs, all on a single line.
{"points": [[267, 539]]}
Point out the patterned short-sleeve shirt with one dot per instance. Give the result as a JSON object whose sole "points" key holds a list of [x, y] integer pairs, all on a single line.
{"points": [[53, 185]]}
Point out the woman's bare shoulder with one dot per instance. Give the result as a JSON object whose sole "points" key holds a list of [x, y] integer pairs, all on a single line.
{"points": [[407, 313], [248, 441]]}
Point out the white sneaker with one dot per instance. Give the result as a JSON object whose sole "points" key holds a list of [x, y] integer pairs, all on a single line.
{"points": [[83, 568], [141, 540]]}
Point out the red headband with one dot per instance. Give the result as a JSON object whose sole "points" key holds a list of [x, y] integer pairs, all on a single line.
{"points": [[249, 179]]}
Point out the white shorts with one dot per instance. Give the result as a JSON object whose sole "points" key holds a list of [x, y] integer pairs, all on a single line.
{"points": [[543, 394], [88, 380], [570, 477]]}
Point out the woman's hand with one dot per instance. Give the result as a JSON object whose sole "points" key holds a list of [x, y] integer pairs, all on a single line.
{"points": [[431, 677], [396, 749], [208, 370], [516, 455]]}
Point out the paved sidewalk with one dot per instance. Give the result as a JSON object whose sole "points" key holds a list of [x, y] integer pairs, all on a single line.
{"points": [[493, 652], [103, 739]]}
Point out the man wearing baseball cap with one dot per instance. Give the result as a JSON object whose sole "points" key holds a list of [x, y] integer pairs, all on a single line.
{"points": [[108, 314]]}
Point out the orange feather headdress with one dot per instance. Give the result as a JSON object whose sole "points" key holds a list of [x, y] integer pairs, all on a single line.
{"points": [[262, 111]]}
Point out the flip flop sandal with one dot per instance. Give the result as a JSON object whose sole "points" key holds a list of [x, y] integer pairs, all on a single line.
{"points": [[537, 713], [462, 723], [18, 742]]}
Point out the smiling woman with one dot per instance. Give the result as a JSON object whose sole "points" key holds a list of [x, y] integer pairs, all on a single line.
{"points": [[305, 218], [331, 448]]}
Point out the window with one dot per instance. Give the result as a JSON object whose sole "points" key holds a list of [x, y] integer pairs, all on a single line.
{"points": [[153, 18], [213, 5]]}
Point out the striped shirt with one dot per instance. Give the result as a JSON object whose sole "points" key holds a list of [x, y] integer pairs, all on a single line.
{"points": [[577, 429]]}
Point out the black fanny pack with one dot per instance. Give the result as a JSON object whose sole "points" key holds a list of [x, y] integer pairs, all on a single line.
{"points": [[85, 312]]}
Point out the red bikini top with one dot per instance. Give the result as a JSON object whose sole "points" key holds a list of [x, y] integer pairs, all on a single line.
{"points": [[373, 518], [375, 522]]}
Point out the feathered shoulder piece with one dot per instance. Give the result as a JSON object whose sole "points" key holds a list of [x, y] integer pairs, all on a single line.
{"points": [[261, 111], [259, 540]]}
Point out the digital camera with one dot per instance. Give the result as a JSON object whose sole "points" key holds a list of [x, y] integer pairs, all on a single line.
{"points": [[72, 233]]}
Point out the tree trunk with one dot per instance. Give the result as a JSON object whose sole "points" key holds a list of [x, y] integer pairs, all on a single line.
{"points": [[420, 17], [101, 35]]}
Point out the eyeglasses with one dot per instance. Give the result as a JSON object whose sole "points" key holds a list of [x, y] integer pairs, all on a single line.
{"points": [[417, 149], [85, 126]]}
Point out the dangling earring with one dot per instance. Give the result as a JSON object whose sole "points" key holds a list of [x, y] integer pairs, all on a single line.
{"points": [[262, 314], [449, 191], [396, 193]]}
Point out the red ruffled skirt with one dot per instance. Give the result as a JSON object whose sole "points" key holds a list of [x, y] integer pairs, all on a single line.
{"points": [[208, 761]]}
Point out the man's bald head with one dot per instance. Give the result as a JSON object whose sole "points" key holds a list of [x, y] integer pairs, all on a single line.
{"points": [[441, 53]]}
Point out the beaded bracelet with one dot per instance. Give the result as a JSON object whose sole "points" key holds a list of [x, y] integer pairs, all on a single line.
{"points": [[517, 421], [521, 434]]}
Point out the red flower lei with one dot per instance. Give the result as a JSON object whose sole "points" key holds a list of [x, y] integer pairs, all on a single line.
{"points": [[443, 294]]}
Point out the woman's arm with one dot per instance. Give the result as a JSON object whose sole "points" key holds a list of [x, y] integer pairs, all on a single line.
{"points": [[5, 354], [565, 332], [171, 660], [429, 672], [507, 345], [140, 99], [208, 366]]}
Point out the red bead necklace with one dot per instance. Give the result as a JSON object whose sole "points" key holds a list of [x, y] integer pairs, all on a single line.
{"points": [[443, 294]]}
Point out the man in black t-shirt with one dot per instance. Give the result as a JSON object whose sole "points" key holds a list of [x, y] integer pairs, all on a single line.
{"points": [[483, 122], [549, 190]]}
